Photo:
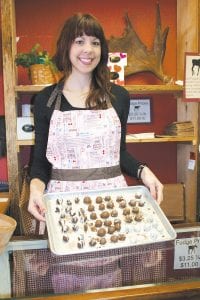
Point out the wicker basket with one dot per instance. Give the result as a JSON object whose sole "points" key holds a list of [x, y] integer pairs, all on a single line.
{"points": [[7, 227], [42, 74]]}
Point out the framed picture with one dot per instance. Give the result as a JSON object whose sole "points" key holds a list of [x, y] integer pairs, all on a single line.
{"points": [[140, 111], [192, 77]]}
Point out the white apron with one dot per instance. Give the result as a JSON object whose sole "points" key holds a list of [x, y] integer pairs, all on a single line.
{"points": [[84, 150]]}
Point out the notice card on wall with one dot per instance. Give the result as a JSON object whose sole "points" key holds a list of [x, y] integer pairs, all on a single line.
{"points": [[192, 77]]}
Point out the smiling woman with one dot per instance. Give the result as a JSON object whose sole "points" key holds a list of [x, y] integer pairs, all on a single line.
{"points": [[80, 123]]}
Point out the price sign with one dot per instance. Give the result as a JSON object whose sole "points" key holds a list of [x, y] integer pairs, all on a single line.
{"points": [[187, 253], [140, 111]]}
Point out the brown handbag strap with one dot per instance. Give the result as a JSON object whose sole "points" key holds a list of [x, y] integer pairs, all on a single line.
{"points": [[25, 187]]}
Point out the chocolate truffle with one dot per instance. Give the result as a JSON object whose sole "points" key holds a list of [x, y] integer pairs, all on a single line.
{"points": [[59, 201], [126, 211], [114, 238], [138, 218], [132, 202], [114, 213], [57, 209], [99, 199], [128, 219], [76, 200], [74, 219], [92, 242], [117, 226], [107, 198], [85, 227], [135, 210], [98, 223], [110, 204], [122, 204], [105, 214], [102, 241], [101, 206], [119, 198], [107, 222], [101, 232], [93, 216], [80, 244], [69, 202], [65, 238], [90, 207], [87, 200], [75, 227], [111, 229], [138, 196], [122, 237]]}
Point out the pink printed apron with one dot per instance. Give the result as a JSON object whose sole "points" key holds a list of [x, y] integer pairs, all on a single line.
{"points": [[84, 150]]}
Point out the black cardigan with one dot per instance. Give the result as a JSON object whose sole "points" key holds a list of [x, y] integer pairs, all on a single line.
{"points": [[40, 166]]}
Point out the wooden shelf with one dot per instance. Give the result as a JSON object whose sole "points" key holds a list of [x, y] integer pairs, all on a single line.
{"points": [[136, 89], [154, 89], [29, 88], [21, 143], [25, 142], [129, 139], [191, 139]]}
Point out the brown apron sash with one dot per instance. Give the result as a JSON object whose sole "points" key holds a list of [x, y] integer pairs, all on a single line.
{"points": [[85, 174]]}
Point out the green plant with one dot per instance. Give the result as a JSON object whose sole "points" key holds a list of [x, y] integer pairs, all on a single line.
{"points": [[35, 56]]}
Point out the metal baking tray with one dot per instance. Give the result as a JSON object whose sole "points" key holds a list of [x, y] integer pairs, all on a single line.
{"points": [[128, 216]]}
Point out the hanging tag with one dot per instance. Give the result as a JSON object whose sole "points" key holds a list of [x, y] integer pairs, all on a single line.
{"points": [[191, 162]]}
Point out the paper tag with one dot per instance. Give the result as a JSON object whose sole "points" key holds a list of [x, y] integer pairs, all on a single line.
{"points": [[191, 164], [187, 253]]}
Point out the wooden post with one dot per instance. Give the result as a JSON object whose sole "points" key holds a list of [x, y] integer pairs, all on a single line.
{"points": [[187, 41], [9, 78]]}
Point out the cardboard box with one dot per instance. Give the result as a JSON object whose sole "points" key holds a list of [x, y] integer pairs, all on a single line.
{"points": [[174, 202]]}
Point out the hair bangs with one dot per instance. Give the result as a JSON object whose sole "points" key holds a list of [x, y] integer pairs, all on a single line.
{"points": [[90, 27]]}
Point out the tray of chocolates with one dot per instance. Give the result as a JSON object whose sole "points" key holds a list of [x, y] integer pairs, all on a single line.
{"points": [[96, 220]]}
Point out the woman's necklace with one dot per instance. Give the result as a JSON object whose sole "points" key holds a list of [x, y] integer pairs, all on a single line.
{"points": [[76, 97], [79, 92]]}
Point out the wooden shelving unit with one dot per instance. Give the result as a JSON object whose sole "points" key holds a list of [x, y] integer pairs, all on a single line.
{"points": [[136, 89], [188, 30], [186, 10]]}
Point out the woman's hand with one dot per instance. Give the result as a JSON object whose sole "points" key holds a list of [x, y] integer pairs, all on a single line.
{"points": [[152, 182], [36, 205]]}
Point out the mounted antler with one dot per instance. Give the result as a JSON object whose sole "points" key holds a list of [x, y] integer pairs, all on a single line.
{"points": [[140, 59]]}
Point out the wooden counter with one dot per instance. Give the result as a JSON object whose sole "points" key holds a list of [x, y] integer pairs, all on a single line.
{"points": [[183, 290], [173, 289]]}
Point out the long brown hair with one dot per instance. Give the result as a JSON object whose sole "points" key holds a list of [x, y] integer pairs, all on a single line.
{"points": [[75, 26]]}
